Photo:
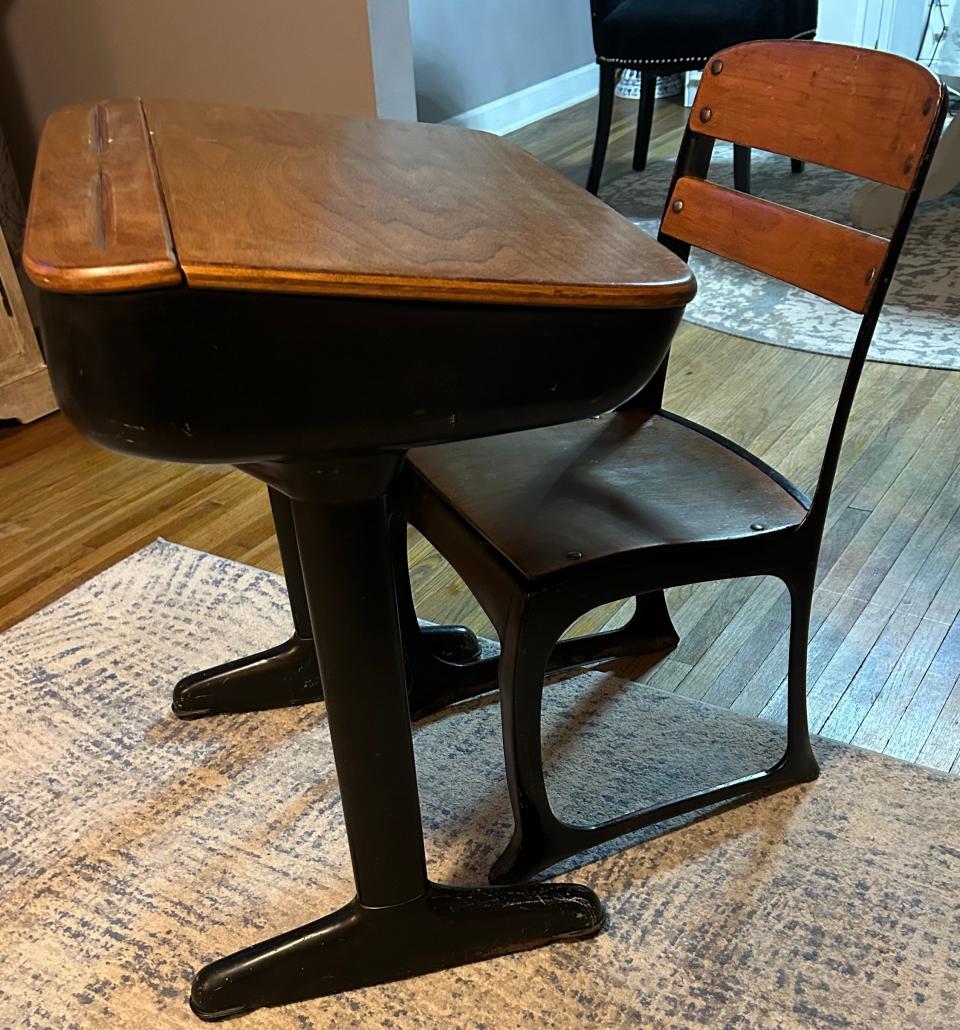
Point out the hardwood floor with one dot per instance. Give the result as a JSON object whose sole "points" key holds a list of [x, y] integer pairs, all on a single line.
{"points": [[885, 651]]}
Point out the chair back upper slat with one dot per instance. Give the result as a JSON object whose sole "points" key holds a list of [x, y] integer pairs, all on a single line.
{"points": [[824, 103], [871, 114], [824, 258]]}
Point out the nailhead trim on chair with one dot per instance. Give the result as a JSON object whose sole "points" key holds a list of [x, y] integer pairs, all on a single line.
{"points": [[626, 62], [650, 60]]}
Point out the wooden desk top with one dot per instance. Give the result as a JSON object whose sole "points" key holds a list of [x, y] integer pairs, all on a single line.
{"points": [[130, 194]]}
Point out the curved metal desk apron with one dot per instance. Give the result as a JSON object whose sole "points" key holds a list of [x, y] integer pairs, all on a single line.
{"points": [[306, 298]]}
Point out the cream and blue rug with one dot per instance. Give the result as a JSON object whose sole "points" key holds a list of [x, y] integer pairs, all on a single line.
{"points": [[134, 848], [920, 324]]}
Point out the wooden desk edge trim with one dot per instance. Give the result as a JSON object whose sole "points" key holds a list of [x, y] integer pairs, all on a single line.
{"points": [[107, 279], [85, 278], [670, 293]]}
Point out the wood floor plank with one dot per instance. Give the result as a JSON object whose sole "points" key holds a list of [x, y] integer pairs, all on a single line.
{"points": [[764, 694], [888, 404], [898, 691], [878, 543], [926, 400], [913, 534], [666, 675], [857, 697], [763, 635], [824, 691], [941, 563], [729, 642], [927, 704], [941, 750], [706, 615], [897, 637], [829, 638], [900, 686]]}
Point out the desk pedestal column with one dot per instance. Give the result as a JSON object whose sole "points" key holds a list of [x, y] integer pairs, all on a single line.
{"points": [[400, 924]]}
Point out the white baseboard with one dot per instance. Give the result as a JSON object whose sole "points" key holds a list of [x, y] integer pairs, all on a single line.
{"points": [[528, 105]]}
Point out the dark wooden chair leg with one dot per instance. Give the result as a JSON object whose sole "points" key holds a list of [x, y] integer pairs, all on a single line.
{"points": [[741, 168], [279, 677], [648, 96], [604, 117]]}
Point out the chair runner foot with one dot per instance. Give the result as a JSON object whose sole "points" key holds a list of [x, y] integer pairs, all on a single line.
{"points": [[542, 840]]}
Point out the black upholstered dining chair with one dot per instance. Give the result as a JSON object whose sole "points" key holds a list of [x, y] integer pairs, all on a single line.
{"points": [[546, 524], [663, 37]]}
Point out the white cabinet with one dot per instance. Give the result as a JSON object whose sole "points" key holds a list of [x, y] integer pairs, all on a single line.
{"points": [[24, 388], [25, 392], [893, 25]]}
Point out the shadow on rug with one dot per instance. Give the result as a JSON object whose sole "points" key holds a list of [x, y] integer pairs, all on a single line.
{"points": [[135, 848], [919, 322]]}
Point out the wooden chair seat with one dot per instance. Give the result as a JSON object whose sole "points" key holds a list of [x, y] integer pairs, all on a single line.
{"points": [[551, 498]]}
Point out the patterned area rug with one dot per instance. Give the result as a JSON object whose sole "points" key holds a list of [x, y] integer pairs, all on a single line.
{"points": [[135, 847], [921, 321]]}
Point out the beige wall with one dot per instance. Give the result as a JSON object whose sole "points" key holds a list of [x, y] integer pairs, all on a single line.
{"points": [[306, 55]]}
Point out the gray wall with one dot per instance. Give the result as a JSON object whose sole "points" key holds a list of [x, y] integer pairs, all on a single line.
{"points": [[305, 55], [469, 52]]}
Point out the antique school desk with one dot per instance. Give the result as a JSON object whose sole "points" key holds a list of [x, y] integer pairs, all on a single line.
{"points": [[306, 298]]}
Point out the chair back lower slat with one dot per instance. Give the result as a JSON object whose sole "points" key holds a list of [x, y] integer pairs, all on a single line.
{"points": [[824, 258], [828, 104]]}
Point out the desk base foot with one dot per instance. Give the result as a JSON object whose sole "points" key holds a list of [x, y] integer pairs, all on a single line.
{"points": [[359, 947], [288, 674], [451, 643], [279, 677]]}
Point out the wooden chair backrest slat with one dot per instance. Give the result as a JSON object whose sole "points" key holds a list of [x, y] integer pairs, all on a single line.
{"points": [[871, 114], [824, 258], [824, 103]]}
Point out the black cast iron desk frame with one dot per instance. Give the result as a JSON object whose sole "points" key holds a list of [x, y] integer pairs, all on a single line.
{"points": [[145, 373], [444, 664]]}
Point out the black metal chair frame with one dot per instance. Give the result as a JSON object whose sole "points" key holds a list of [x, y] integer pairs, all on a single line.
{"points": [[530, 615], [444, 664]]}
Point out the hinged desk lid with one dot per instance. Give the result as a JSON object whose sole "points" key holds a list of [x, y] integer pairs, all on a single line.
{"points": [[130, 195]]}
